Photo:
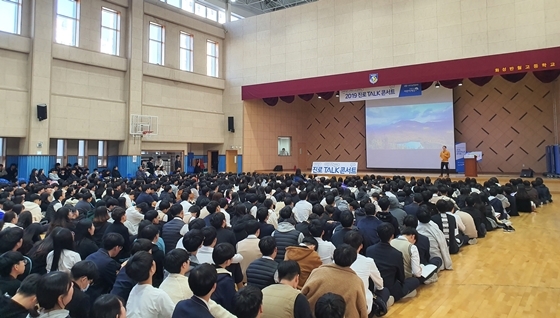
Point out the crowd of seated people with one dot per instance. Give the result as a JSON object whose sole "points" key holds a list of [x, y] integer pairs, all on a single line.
{"points": [[79, 244]]}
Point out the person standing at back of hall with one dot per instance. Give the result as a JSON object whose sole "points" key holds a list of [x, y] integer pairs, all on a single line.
{"points": [[444, 155]]}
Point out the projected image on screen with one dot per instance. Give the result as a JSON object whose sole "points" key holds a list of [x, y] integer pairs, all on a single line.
{"points": [[408, 133]]}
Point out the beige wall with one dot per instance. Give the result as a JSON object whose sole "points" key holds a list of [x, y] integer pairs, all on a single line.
{"points": [[334, 37], [91, 95]]}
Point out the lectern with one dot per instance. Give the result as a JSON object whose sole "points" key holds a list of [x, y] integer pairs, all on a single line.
{"points": [[471, 167]]}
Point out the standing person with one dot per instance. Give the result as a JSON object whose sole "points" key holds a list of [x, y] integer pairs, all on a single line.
{"points": [[444, 155], [177, 162]]}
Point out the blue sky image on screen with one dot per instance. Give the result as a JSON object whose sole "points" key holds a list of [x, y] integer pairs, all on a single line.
{"points": [[411, 127]]}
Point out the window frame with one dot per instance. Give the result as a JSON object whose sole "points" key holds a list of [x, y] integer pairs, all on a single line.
{"points": [[3, 142], [161, 43], [17, 26], [289, 142], [215, 58], [189, 52], [83, 157], [64, 157], [117, 31], [102, 158], [76, 39]]}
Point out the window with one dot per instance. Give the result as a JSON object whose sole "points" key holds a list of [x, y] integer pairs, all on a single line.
{"points": [[186, 51], [110, 31], [3, 151], [60, 151], [10, 16], [67, 22], [284, 146], [82, 153], [188, 5], [200, 10], [211, 14], [102, 153], [157, 37], [212, 58], [221, 17]]}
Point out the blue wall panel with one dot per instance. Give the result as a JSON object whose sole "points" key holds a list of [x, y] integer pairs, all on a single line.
{"points": [[92, 163], [28, 163], [239, 163], [71, 160], [221, 163]]}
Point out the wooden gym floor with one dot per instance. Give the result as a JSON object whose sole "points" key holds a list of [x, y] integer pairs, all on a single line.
{"points": [[507, 274]]}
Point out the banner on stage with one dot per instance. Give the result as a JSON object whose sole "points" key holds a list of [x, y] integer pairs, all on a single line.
{"points": [[384, 92], [348, 168], [460, 151]]}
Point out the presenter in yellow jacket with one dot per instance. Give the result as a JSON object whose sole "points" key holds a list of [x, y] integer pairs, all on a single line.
{"points": [[444, 155]]}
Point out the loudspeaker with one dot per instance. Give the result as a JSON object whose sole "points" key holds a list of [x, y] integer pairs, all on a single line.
{"points": [[278, 168], [526, 173], [230, 125], [42, 112]]}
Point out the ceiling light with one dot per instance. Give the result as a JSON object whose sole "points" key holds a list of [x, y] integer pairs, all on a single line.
{"points": [[319, 97], [337, 95], [437, 84], [461, 84]]}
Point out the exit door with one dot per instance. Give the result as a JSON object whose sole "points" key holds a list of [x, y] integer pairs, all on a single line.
{"points": [[231, 161]]}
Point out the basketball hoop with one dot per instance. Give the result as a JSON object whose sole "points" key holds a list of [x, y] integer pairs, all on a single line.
{"points": [[147, 133]]}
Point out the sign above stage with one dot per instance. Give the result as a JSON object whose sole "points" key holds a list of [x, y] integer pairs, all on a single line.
{"points": [[348, 168], [384, 92]]}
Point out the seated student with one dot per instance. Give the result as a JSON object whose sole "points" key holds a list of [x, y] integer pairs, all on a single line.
{"points": [[222, 256], [512, 209], [108, 267], [286, 234], [54, 292], [192, 242], [266, 229], [249, 247], [331, 277], [284, 299], [108, 306], [248, 302], [151, 233], [386, 216], [523, 200], [202, 281], [438, 245], [412, 208], [325, 249], [305, 254], [23, 303], [346, 225], [390, 263], [223, 233], [366, 269], [409, 251], [447, 224], [119, 217], [12, 264], [171, 231], [145, 300], [83, 274], [422, 243], [469, 231], [83, 236], [62, 257], [368, 225], [478, 218], [123, 283], [261, 272], [330, 306], [176, 283]]}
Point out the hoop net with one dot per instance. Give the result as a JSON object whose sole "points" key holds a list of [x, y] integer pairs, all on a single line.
{"points": [[147, 133]]}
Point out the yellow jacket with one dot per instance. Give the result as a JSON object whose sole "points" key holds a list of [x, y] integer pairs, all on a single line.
{"points": [[444, 155]]}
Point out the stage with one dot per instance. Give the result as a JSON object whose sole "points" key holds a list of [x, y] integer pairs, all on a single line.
{"points": [[552, 183]]}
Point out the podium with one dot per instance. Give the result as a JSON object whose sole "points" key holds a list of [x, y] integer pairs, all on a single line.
{"points": [[471, 167]]}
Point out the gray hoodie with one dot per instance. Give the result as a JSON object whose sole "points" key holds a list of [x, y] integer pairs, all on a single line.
{"points": [[59, 313]]}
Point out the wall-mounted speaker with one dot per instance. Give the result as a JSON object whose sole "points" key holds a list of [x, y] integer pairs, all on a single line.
{"points": [[42, 112], [230, 124]]}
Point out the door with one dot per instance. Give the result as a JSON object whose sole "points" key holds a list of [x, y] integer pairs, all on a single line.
{"points": [[231, 161], [208, 164], [302, 156]]}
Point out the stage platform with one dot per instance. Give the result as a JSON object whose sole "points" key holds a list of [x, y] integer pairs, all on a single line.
{"points": [[552, 183]]}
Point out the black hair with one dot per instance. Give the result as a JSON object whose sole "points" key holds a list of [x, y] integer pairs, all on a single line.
{"points": [[247, 302], [139, 265], [310, 240], [141, 245], [442, 206], [423, 216], [345, 255], [330, 306], [51, 286], [164, 204], [354, 239], [192, 240], [107, 306], [222, 253], [28, 286], [262, 214], [25, 219], [288, 270], [62, 240], [217, 220], [267, 245], [410, 221], [151, 215], [316, 228], [175, 259], [82, 230], [85, 268], [7, 262], [175, 210], [202, 279], [210, 235], [112, 240], [370, 209], [117, 214], [384, 203], [385, 231], [409, 231], [149, 232], [251, 227], [346, 218], [195, 209], [9, 238]]}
